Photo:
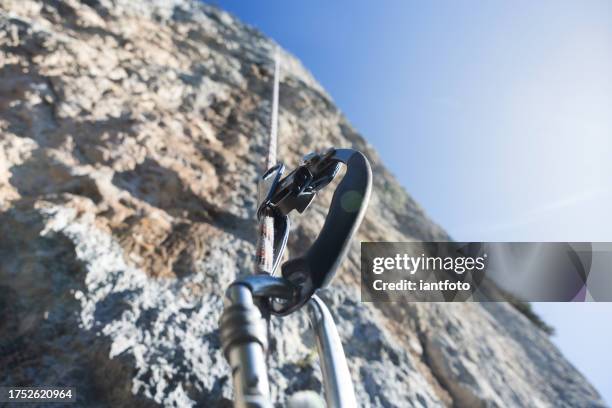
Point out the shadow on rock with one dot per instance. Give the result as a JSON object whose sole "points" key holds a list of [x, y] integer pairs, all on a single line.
{"points": [[39, 317]]}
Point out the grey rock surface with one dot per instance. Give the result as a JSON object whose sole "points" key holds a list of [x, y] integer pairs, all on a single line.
{"points": [[131, 136]]}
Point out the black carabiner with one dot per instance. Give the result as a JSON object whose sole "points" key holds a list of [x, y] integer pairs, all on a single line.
{"points": [[317, 266]]}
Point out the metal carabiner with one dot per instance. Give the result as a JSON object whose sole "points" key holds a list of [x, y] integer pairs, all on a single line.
{"points": [[245, 343], [242, 323], [296, 191], [244, 336]]}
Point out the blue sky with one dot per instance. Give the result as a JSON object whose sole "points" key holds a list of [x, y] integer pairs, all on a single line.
{"points": [[495, 116]]}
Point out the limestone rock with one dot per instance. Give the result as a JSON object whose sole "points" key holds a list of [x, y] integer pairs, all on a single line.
{"points": [[131, 136]]}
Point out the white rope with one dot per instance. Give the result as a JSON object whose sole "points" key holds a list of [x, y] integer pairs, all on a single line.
{"points": [[265, 246], [271, 159]]}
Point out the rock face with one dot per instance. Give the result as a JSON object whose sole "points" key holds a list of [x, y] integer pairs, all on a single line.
{"points": [[131, 136]]}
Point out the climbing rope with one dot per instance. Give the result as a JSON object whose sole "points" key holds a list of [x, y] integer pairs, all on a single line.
{"points": [[265, 244]]}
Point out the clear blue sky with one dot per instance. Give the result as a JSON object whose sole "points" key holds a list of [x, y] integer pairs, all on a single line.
{"points": [[496, 116]]}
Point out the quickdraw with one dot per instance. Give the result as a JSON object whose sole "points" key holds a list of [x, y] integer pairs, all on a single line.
{"points": [[243, 330], [250, 300]]}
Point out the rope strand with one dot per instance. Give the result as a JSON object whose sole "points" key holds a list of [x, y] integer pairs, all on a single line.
{"points": [[265, 244], [271, 158]]}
